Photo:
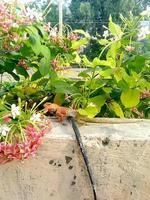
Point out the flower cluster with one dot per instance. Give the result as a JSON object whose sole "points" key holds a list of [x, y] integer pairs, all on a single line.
{"points": [[23, 63], [73, 36], [146, 12], [145, 94], [21, 151], [144, 31], [6, 18], [11, 20], [21, 131]]}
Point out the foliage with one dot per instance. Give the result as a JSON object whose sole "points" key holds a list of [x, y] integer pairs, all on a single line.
{"points": [[117, 85], [91, 15], [29, 46]]}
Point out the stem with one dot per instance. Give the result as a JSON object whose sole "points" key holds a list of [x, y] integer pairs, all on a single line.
{"points": [[47, 9], [22, 134], [1, 78], [105, 49], [90, 84], [39, 104]]}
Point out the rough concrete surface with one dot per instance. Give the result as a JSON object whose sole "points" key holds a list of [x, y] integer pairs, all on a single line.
{"points": [[120, 159], [119, 156]]}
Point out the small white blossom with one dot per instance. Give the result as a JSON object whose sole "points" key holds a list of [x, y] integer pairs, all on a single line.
{"points": [[36, 117], [4, 129], [15, 25], [33, 14], [106, 34], [146, 12], [54, 32], [15, 111], [129, 48], [144, 31]]}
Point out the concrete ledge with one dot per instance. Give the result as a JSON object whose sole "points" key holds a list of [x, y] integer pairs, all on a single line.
{"points": [[119, 156]]}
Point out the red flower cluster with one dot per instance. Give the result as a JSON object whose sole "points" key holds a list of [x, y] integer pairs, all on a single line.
{"points": [[73, 36], [145, 94], [23, 64], [6, 19], [20, 151]]}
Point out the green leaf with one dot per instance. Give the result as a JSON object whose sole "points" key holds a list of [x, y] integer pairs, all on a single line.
{"points": [[106, 73], [36, 75], [35, 44], [114, 28], [114, 106], [22, 71], [34, 39], [86, 34], [98, 101], [45, 52], [130, 98], [9, 66], [98, 62], [59, 98], [118, 75], [77, 58], [90, 111], [15, 76], [112, 53], [86, 62], [103, 42], [107, 90], [44, 66], [77, 44]]}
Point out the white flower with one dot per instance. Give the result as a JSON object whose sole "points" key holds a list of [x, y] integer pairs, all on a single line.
{"points": [[106, 34], [15, 111], [15, 25], [146, 12], [36, 117], [144, 31], [33, 14], [129, 48], [53, 32], [4, 129]]}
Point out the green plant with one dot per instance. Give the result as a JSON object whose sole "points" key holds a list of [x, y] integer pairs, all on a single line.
{"points": [[117, 86], [31, 47]]}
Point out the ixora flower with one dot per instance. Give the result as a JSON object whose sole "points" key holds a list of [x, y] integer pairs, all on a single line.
{"points": [[4, 129], [15, 111], [146, 12], [36, 117]]}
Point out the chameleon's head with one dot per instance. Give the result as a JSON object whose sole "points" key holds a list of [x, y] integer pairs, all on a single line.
{"points": [[51, 108]]}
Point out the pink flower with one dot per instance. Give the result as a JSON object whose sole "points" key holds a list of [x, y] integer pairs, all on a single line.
{"points": [[7, 119], [23, 150]]}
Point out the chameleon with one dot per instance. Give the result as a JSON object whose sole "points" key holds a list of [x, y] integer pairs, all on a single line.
{"points": [[62, 113]]}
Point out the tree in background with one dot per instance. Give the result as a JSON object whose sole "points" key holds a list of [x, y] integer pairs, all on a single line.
{"points": [[91, 15], [98, 12]]}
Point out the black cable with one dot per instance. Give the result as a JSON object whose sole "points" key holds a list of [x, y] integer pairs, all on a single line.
{"points": [[84, 154]]}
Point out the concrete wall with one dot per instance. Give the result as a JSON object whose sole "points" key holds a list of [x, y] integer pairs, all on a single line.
{"points": [[119, 156]]}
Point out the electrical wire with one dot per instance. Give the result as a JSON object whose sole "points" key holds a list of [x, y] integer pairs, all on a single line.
{"points": [[84, 154]]}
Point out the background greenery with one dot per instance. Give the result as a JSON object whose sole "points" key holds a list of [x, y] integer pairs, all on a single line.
{"points": [[90, 15]]}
